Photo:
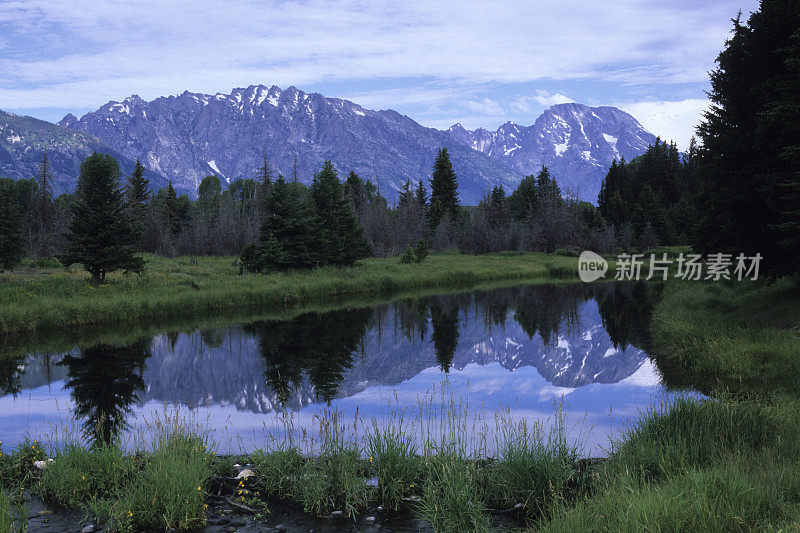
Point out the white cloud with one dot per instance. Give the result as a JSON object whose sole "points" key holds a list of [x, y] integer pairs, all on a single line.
{"points": [[526, 104], [674, 121], [486, 107], [84, 53]]}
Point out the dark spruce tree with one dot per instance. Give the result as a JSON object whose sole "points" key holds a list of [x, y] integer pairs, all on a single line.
{"points": [[100, 235], [657, 190], [422, 196], [171, 212], [287, 236], [341, 239], [355, 191], [524, 201], [444, 188], [264, 179], [12, 242], [749, 162], [137, 194], [613, 190]]}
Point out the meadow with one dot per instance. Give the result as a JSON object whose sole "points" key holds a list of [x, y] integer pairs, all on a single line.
{"points": [[44, 296], [729, 463]]}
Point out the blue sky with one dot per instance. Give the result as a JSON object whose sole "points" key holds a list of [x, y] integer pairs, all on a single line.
{"points": [[477, 63]]}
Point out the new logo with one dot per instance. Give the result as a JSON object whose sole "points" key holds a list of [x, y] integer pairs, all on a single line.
{"points": [[591, 266]]}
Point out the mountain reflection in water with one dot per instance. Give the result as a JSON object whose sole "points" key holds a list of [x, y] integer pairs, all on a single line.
{"points": [[519, 348]]}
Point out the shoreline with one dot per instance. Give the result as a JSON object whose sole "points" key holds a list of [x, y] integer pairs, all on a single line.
{"points": [[41, 300]]}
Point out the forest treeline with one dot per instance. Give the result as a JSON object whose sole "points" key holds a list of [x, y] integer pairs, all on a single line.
{"points": [[275, 224], [736, 191]]}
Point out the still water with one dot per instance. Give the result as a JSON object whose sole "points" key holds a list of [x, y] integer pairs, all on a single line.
{"points": [[525, 352]]}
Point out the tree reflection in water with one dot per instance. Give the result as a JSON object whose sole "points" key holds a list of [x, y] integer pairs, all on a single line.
{"points": [[105, 380], [317, 349]]}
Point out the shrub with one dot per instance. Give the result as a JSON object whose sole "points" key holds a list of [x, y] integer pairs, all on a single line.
{"points": [[408, 256], [421, 251]]}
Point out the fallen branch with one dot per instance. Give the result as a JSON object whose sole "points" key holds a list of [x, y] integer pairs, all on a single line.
{"points": [[231, 502]]}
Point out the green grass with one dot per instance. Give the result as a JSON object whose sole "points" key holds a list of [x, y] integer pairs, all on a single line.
{"points": [[78, 475], [13, 512], [728, 463], [334, 480], [533, 468], [739, 338], [36, 298], [160, 486], [169, 490], [393, 456], [697, 466], [452, 499]]}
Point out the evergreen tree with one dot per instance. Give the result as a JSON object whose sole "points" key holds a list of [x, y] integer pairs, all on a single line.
{"points": [[100, 234], [445, 333], [547, 188], [406, 195], [355, 190], [12, 242], [422, 195], [43, 208], [496, 209], [525, 199], [105, 382], [287, 233], [264, 179], [137, 194], [749, 159], [341, 239], [172, 217], [612, 192], [209, 195], [444, 186]]}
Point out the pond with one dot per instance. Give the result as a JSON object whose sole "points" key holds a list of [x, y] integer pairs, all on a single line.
{"points": [[548, 354]]}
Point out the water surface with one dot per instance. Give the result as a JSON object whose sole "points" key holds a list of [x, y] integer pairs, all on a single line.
{"points": [[517, 351]]}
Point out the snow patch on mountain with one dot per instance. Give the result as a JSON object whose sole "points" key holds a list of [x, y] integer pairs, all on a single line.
{"points": [[577, 143]]}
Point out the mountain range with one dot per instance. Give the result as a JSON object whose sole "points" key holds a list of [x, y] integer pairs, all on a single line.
{"points": [[187, 137], [23, 141]]}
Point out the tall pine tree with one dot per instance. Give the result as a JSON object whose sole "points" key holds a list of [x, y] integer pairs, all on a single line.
{"points": [[749, 159], [287, 236], [264, 179], [422, 195], [341, 239], [444, 187], [137, 194], [524, 201], [100, 235], [44, 212]]}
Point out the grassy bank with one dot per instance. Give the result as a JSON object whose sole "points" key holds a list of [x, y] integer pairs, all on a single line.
{"points": [[49, 298], [173, 479], [730, 463]]}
